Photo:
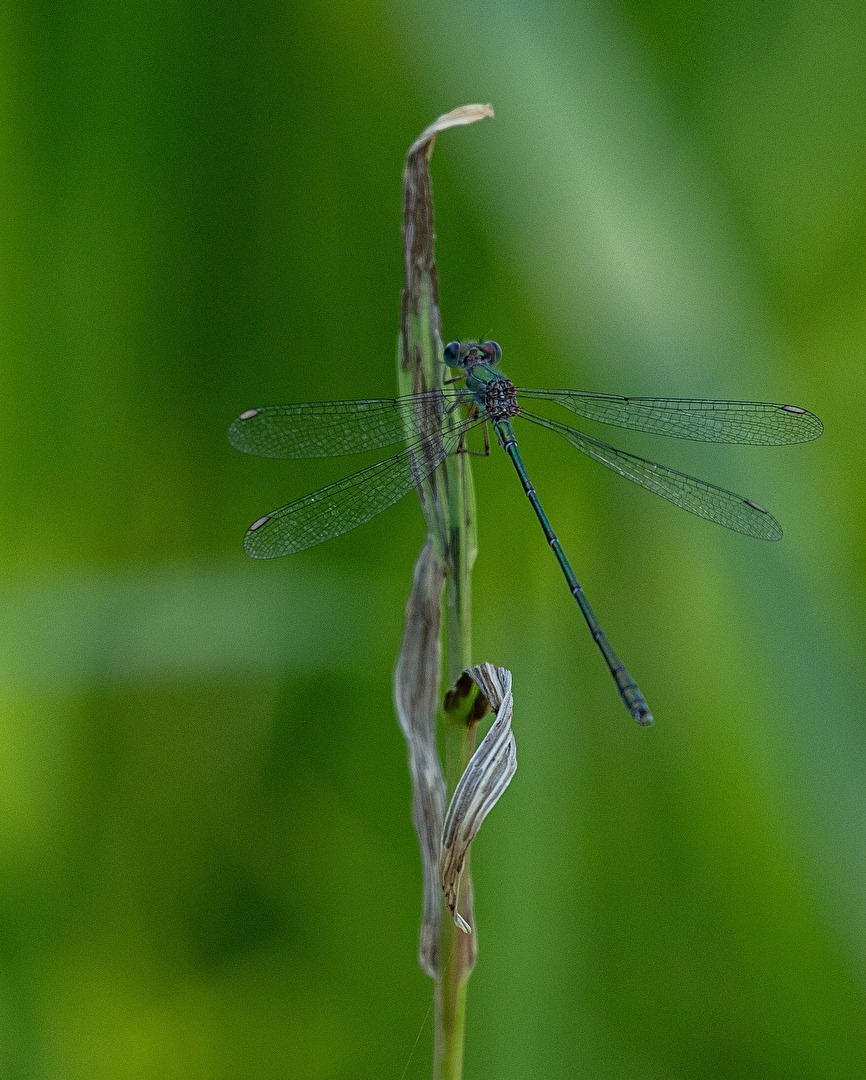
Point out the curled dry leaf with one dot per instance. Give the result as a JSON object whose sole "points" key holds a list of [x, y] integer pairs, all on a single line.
{"points": [[487, 775], [416, 694], [421, 368], [449, 548]]}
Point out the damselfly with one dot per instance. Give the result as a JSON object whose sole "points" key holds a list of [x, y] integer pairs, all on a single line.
{"points": [[435, 424]]}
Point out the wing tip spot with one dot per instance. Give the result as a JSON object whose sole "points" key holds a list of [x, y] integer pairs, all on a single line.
{"points": [[249, 414], [258, 523]]}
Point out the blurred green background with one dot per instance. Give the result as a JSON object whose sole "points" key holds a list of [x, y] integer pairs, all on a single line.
{"points": [[207, 866]]}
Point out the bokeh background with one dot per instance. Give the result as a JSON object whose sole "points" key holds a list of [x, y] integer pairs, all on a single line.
{"points": [[207, 866]]}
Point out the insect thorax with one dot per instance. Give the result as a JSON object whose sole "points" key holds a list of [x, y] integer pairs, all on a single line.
{"points": [[500, 402]]}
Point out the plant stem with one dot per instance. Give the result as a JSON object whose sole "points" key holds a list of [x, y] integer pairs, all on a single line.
{"points": [[450, 1005], [456, 949], [448, 498]]}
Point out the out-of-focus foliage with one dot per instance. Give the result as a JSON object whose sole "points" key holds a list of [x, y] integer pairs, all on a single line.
{"points": [[207, 867]]}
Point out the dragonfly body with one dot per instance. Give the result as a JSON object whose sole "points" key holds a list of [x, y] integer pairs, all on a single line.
{"points": [[435, 424], [496, 397]]}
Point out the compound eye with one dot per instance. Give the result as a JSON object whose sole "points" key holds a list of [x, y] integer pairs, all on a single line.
{"points": [[492, 351], [451, 354]]}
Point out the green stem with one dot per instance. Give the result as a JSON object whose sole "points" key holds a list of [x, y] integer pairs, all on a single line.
{"points": [[458, 585], [456, 949], [450, 1006]]}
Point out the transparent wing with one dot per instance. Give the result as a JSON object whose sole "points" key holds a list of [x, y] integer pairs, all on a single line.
{"points": [[341, 506], [330, 428], [757, 422], [697, 496]]}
